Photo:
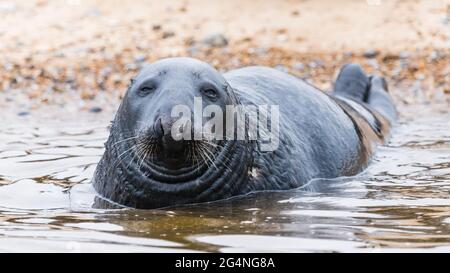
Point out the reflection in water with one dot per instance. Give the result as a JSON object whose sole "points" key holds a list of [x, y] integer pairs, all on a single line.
{"points": [[400, 203]]}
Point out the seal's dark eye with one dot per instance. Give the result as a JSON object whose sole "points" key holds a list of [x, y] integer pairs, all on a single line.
{"points": [[209, 92], [144, 91]]}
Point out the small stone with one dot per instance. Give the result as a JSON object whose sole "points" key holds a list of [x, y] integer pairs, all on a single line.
{"points": [[139, 59], [320, 63], [189, 41], [390, 57], [348, 54], [95, 109], [168, 34], [261, 51], [215, 40], [404, 63], [404, 55], [298, 66], [435, 55], [156, 27], [193, 50], [373, 63], [370, 54], [87, 95], [316, 64], [23, 113]]}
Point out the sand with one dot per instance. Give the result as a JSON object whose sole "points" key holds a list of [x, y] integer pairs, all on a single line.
{"points": [[61, 51]]}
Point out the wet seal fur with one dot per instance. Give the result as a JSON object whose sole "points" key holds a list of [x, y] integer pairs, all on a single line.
{"points": [[321, 135]]}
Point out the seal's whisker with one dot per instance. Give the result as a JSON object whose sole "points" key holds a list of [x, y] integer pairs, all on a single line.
{"points": [[143, 154], [211, 144], [198, 155], [205, 151], [203, 158], [225, 156], [148, 148], [129, 163], [149, 144], [123, 140], [139, 150], [225, 163], [119, 158], [194, 154], [187, 153], [153, 151]]}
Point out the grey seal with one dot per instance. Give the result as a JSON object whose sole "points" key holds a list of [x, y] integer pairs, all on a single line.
{"points": [[320, 136]]}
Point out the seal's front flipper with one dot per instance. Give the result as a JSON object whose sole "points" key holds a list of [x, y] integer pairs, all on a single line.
{"points": [[352, 83], [380, 100]]}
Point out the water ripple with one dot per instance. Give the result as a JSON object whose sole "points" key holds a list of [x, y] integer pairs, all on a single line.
{"points": [[400, 203]]}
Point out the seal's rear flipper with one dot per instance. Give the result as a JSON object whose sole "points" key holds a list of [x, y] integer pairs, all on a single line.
{"points": [[352, 83], [379, 98]]}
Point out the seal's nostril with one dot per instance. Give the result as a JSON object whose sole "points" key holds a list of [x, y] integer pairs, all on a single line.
{"points": [[161, 127], [158, 128]]}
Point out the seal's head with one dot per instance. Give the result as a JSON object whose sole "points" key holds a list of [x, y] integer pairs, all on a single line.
{"points": [[154, 157], [155, 102]]}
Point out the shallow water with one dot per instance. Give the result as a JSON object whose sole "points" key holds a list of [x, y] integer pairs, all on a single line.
{"points": [[400, 203]]}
